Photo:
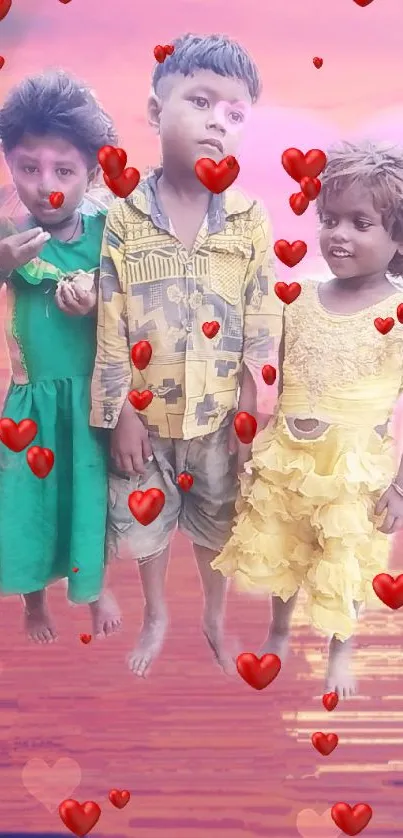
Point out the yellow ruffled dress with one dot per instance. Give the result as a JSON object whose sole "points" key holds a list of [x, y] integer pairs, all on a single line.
{"points": [[306, 511]]}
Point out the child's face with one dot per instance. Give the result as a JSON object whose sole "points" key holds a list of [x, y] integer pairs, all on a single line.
{"points": [[353, 239], [41, 165], [198, 109]]}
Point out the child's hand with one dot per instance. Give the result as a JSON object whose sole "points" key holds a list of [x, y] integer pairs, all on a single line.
{"points": [[74, 301], [130, 444], [20, 248], [392, 502]]}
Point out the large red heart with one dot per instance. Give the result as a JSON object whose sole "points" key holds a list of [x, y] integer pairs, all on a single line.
{"points": [[389, 590], [287, 293], [217, 176], [351, 820], [112, 160], [79, 818], [325, 743], [290, 254], [5, 6], [56, 199], [211, 329], [245, 427], [299, 165], [140, 400], [185, 481], [123, 185], [330, 701], [141, 354], [258, 672], [2, 62], [399, 312], [146, 506], [384, 325], [310, 187], [40, 460], [269, 374], [17, 437], [118, 798], [298, 203]]}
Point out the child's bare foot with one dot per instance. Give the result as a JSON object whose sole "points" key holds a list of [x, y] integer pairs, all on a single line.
{"points": [[38, 623], [149, 644], [106, 617], [224, 654], [276, 644], [339, 677]]}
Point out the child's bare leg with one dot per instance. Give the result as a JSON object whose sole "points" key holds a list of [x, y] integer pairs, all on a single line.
{"points": [[339, 676], [152, 573], [215, 589], [38, 623], [277, 639], [105, 614]]}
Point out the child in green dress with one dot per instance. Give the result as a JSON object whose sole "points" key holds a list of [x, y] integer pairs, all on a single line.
{"points": [[51, 128]]}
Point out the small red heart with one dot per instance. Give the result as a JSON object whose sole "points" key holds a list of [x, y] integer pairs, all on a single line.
{"points": [[217, 176], [123, 185], [5, 6], [40, 460], [330, 701], [318, 62], [384, 325], [258, 672], [290, 254], [161, 52], [75, 569], [86, 638], [299, 165], [399, 313], [389, 589], [56, 199], [141, 354], [245, 427], [65, 1], [2, 62], [269, 374], [287, 293], [363, 3], [146, 506], [79, 818], [211, 329], [325, 743], [185, 481], [310, 186], [112, 160], [351, 819], [17, 436], [118, 798], [140, 400], [169, 49], [298, 203]]}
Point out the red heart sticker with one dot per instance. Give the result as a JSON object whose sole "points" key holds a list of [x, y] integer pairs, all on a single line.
{"points": [[40, 460], [217, 176], [123, 185], [384, 325], [363, 3], [75, 569], [269, 374], [310, 187], [2, 62], [85, 638], [140, 400], [287, 293], [56, 199], [185, 481], [79, 818], [17, 437], [351, 819], [299, 165], [258, 672], [290, 254], [118, 798], [298, 203], [5, 6], [146, 506], [389, 590], [211, 329], [161, 52], [112, 160], [318, 62], [399, 313], [65, 2], [325, 743], [141, 354], [330, 701], [245, 427]]}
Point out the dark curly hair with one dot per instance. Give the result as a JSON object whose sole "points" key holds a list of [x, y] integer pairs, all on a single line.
{"points": [[56, 103], [379, 168]]}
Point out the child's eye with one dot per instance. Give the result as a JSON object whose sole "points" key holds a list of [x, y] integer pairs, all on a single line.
{"points": [[362, 225], [65, 172], [29, 170], [328, 221], [236, 117], [199, 101]]}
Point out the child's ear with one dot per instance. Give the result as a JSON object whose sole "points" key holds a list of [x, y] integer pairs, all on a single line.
{"points": [[154, 107]]}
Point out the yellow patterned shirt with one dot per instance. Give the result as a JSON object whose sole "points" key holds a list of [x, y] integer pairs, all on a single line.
{"points": [[151, 288]]}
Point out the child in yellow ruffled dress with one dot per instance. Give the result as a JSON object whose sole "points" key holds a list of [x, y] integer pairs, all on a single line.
{"points": [[322, 494]]}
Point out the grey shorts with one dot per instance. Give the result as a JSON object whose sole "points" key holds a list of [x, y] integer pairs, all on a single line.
{"points": [[205, 513]]}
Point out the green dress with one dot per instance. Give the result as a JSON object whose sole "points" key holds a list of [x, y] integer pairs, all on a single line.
{"points": [[53, 528]]}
